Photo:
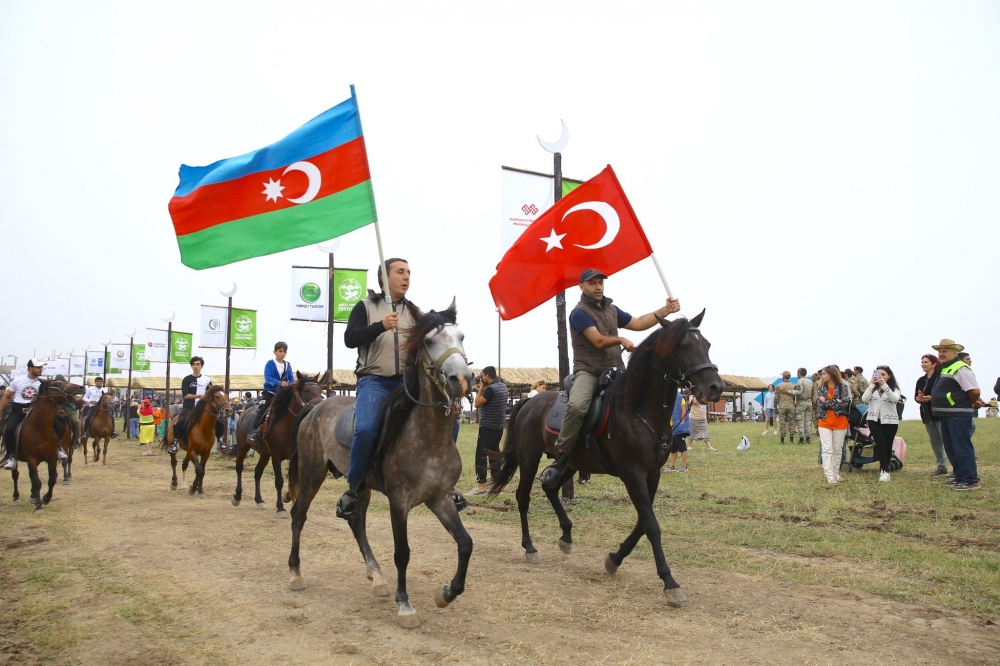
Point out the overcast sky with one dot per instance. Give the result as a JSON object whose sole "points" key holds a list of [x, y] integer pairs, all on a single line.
{"points": [[822, 177]]}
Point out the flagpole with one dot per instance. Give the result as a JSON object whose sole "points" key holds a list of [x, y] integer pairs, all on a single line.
{"points": [[659, 270], [382, 267]]}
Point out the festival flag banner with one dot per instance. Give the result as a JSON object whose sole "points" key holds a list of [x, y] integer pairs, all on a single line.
{"points": [[213, 326], [156, 347], [349, 286], [95, 365], [593, 226], [139, 361], [309, 297], [77, 365], [109, 367], [58, 366], [309, 187], [180, 351], [244, 330], [119, 357], [526, 195]]}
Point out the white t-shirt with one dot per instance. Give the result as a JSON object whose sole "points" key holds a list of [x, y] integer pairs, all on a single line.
{"points": [[203, 383], [24, 389], [93, 395], [281, 370]]}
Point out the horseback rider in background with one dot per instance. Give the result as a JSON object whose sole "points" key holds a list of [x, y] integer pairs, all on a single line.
{"points": [[193, 389], [90, 401], [594, 325], [19, 395]]}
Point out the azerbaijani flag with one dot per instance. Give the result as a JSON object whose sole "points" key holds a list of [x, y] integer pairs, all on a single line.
{"points": [[309, 187]]}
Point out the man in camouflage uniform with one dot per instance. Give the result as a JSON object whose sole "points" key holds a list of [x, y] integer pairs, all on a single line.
{"points": [[803, 393], [859, 386], [786, 406], [815, 408]]}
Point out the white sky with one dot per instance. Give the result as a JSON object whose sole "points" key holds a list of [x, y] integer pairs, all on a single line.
{"points": [[822, 177]]}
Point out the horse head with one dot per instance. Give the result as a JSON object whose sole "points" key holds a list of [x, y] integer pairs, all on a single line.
{"points": [[683, 352], [437, 337], [58, 390], [218, 402], [307, 388]]}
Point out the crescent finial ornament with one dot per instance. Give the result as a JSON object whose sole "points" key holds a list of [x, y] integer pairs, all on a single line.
{"points": [[229, 293], [559, 145]]}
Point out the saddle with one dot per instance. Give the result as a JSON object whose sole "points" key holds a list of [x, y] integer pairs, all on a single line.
{"points": [[596, 421]]}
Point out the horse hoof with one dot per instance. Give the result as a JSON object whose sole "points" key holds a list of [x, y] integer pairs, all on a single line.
{"points": [[533, 558], [439, 599], [282, 514], [261, 505], [235, 502], [190, 491], [17, 501], [39, 510], [297, 583], [380, 589], [409, 619], [172, 487], [675, 598], [202, 495], [566, 548], [610, 566]]}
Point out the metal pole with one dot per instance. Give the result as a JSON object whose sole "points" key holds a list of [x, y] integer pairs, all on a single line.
{"points": [[229, 333], [170, 335], [382, 266], [561, 296], [131, 341], [105, 365], [659, 270], [329, 332], [499, 321]]}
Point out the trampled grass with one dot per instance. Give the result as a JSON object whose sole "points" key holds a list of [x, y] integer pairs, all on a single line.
{"points": [[769, 512]]}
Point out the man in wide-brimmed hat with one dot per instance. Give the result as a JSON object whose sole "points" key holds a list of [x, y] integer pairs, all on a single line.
{"points": [[954, 400]]}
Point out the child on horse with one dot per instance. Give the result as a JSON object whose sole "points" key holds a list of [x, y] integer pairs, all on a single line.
{"points": [[193, 389], [277, 374]]}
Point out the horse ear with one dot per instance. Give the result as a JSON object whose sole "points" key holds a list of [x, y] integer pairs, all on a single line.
{"points": [[696, 322], [298, 375], [663, 322], [453, 307]]}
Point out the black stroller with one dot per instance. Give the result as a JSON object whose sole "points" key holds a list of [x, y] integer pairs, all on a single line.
{"points": [[861, 446]]}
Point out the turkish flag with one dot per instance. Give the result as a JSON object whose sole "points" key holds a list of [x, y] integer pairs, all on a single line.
{"points": [[593, 226]]}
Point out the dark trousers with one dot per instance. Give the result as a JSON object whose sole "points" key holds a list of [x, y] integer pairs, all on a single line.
{"points": [[956, 432], [17, 413], [489, 440], [883, 434], [266, 398]]}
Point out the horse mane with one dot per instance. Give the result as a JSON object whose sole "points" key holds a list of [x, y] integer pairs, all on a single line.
{"points": [[199, 409], [640, 365], [283, 398], [398, 403]]}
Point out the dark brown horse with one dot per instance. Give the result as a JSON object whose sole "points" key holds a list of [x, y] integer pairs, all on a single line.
{"points": [[675, 354], [102, 424], [420, 465], [288, 402], [43, 431], [199, 438]]}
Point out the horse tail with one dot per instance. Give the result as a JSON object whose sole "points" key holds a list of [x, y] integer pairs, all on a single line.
{"points": [[293, 451], [508, 455]]}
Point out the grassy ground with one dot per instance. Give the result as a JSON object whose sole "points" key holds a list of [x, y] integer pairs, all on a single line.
{"points": [[769, 512]]}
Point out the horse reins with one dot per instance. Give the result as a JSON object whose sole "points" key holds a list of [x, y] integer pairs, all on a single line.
{"points": [[434, 371]]}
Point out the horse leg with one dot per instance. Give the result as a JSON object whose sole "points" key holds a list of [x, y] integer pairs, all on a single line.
{"points": [[258, 472], [359, 526], [184, 466], [448, 515], [97, 449], [200, 468], [642, 495], [17, 496], [241, 454], [566, 540], [279, 483], [106, 440], [310, 481], [36, 485], [83, 447], [528, 473], [614, 560], [52, 481], [173, 467], [407, 617]]}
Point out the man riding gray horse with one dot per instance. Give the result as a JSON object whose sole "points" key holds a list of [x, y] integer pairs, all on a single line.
{"points": [[594, 324]]}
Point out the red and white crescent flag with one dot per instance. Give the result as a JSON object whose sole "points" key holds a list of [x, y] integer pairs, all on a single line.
{"points": [[593, 226]]}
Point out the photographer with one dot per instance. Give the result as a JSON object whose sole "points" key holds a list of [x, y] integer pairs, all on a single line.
{"points": [[492, 399], [881, 396]]}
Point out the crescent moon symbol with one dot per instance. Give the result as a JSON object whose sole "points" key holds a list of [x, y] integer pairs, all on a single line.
{"points": [[230, 292], [559, 145], [610, 216], [170, 318], [315, 180]]}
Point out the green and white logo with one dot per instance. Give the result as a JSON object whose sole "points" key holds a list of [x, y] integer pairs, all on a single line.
{"points": [[243, 324], [181, 344], [350, 290], [244, 332], [310, 292]]}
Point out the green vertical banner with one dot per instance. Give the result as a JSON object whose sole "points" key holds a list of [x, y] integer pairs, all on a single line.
{"points": [[349, 286], [244, 329], [107, 365], [180, 349], [139, 361]]}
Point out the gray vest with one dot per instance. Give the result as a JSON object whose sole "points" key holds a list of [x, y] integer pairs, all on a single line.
{"points": [[495, 408], [382, 357], [586, 356]]}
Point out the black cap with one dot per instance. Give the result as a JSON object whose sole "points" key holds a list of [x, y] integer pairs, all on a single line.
{"points": [[591, 274]]}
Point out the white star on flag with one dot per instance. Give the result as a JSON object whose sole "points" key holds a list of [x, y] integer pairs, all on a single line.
{"points": [[273, 190], [553, 240]]}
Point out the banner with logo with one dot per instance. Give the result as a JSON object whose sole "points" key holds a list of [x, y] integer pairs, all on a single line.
{"points": [[156, 347], [213, 326], [59, 366], [139, 362], [309, 293], [108, 367], [525, 196], [244, 330], [350, 285], [77, 365], [95, 365], [119, 357]]}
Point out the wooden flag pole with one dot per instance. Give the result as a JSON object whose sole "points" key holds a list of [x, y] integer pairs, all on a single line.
{"points": [[382, 267], [659, 270]]}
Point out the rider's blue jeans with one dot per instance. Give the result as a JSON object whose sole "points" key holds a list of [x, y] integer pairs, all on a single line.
{"points": [[372, 393]]}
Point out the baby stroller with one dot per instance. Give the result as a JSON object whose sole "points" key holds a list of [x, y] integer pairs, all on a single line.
{"points": [[861, 446]]}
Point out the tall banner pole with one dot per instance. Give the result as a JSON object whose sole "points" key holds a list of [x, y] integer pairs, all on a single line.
{"points": [[104, 365], [663, 278], [329, 333], [561, 296], [170, 342], [229, 333], [382, 267], [131, 344]]}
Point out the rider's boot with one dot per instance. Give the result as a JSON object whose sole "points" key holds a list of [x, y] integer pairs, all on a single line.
{"points": [[11, 462], [348, 502], [60, 454], [255, 436], [550, 475]]}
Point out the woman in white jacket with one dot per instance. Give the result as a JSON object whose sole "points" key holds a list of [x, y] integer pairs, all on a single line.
{"points": [[881, 396]]}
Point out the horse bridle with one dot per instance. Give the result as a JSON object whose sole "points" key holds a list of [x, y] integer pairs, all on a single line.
{"points": [[435, 372], [303, 403], [217, 414]]}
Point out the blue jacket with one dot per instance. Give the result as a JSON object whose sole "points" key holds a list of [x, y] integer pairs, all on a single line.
{"points": [[271, 379], [680, 427]]}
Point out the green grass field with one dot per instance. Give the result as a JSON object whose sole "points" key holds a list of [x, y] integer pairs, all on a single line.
{"points": [[769, 512]]}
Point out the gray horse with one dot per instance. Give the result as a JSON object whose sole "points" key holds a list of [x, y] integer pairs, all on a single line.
{"points": [[419, 464]]}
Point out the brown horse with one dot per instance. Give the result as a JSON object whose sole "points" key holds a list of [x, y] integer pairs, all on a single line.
{"points": [[41, 434], [635, 445], [420, 464], [288, 402], [199, 438], [102, 424]]}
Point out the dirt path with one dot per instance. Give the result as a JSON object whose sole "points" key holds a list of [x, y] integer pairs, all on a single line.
{"points": [[120, 570]]}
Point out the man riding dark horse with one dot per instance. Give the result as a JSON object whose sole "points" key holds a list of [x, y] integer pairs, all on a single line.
{"points": [[377, 330], [594, 324], [20, 394]]}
